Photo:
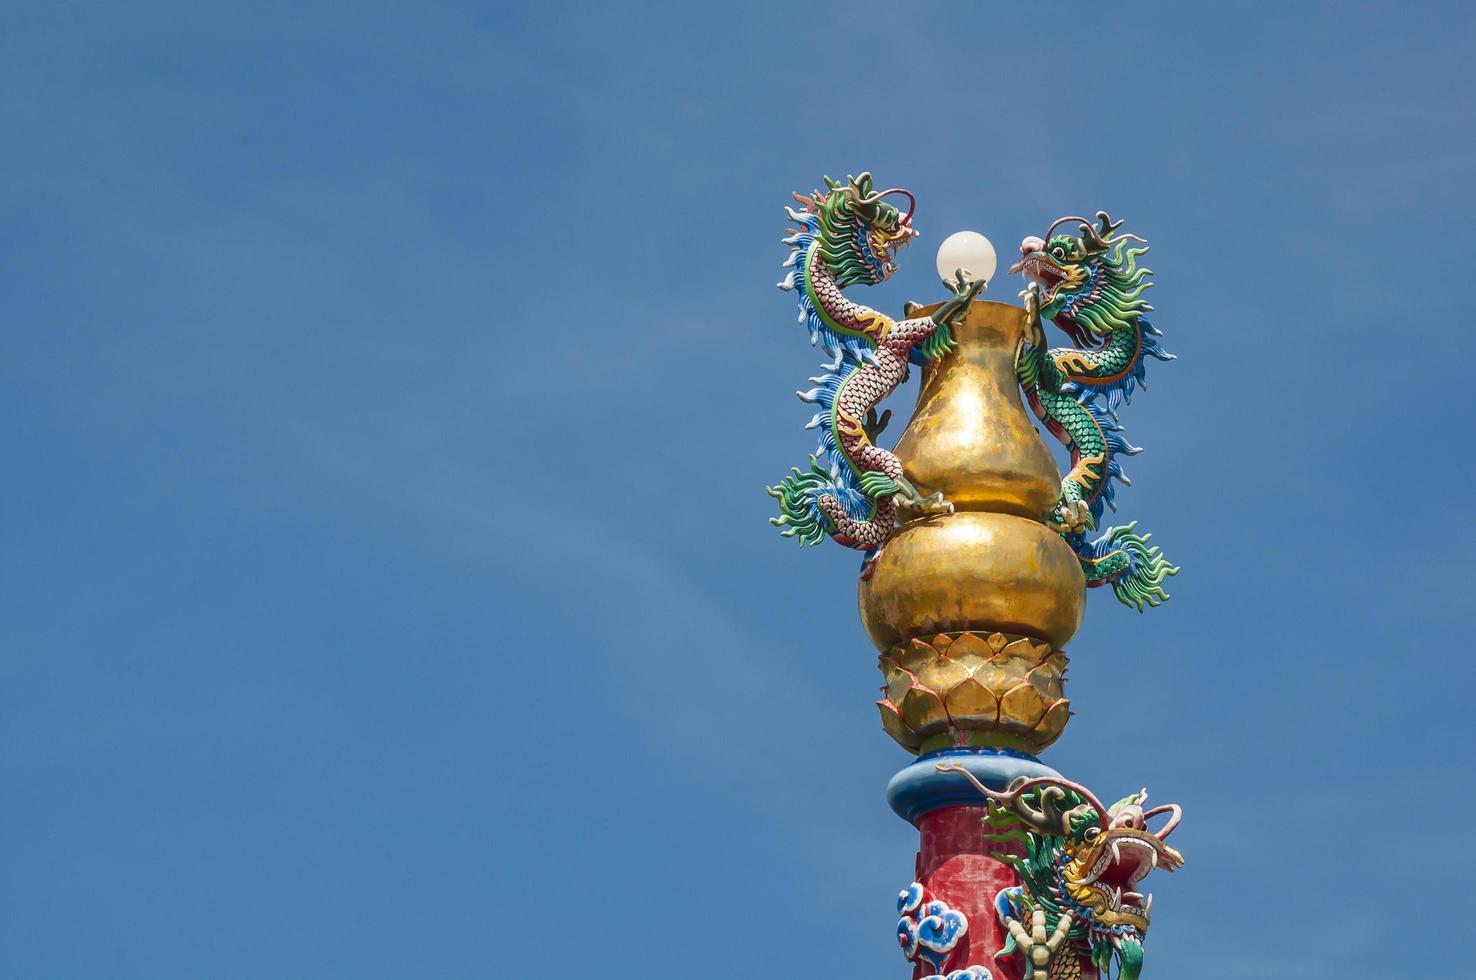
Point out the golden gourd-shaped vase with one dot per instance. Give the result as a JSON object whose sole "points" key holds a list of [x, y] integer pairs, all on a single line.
{"points": [[971, 610]]}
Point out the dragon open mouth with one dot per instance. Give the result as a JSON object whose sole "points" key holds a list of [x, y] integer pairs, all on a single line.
{"points": [[884, 246], [1122, 858], [1039, 268]]}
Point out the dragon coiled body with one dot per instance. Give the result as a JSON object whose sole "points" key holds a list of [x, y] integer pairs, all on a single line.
{"points": [[1091, 286], [851, 489]]}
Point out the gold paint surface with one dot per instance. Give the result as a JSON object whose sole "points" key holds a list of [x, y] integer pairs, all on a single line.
{"points": [[969, 688], [991, 566], [970, 435], [973, 570], [971, 610]]}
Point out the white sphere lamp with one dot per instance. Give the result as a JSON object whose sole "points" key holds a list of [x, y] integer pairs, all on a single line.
{"points": [[969, 251]]}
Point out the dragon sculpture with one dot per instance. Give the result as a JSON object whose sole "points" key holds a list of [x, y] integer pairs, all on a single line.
{"points": [[1079, 863], [847, 235], [1091, 286]]}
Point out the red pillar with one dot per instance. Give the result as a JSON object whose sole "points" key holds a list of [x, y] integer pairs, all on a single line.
{"points": [[954, 863]]}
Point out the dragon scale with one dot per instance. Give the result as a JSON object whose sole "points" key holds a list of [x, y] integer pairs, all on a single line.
{"points": [[1091, 286], [852, 487], [1088, 284]]}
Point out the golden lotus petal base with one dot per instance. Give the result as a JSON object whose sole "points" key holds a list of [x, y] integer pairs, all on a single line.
{"points": [[974, 688]]}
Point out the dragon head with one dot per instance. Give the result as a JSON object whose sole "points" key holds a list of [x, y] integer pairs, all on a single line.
{"points": [[1089, 283], [858, 232], [1102, 852], [1115, 852]]}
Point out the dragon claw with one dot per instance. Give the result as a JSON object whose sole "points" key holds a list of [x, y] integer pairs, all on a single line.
{"points": [[1071, 518], [964, 292], [963, 287], [1035, 332], [933, 504], [875, 424]]}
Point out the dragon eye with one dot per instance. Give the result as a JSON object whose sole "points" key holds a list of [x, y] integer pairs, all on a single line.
{"points": [[1058, 251], [1092, 833]]}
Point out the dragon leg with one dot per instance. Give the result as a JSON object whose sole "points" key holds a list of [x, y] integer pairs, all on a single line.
{"points": [[1039, 946], [818, 502], [1076, 427], [882, 476], [1120, 557], [854, 501]]}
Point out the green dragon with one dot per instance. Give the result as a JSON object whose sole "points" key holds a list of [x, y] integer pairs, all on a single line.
{"points": [[848, 234], [1079, 864], [1091, 286]]}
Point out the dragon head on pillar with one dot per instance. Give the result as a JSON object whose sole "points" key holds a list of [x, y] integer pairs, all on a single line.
{"points": [[1080, 864]]}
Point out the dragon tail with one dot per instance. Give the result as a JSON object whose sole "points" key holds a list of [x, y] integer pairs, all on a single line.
{"points": [[820, 501], [799, 493], [1123, 559], [829, 497]]}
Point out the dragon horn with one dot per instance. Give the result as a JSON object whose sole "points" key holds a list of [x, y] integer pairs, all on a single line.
{"points": [[1109, 227], [911, 201], [848, 188], [1019, 787], [1108, 232], [1061, 221], [1101, 239], [852, 187], [1094, 242], [856, 188], [1051, 813]]}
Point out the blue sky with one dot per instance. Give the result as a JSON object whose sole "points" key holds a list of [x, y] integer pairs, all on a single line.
{"points": [[389, 390]]}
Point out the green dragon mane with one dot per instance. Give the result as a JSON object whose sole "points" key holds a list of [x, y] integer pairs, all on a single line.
{"points": [[1110, 297], [1036, 867], [843, 224]]}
